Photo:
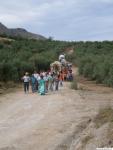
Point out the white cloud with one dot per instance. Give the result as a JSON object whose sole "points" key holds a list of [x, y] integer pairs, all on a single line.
{"points": [[103, 1], [65, 20]]}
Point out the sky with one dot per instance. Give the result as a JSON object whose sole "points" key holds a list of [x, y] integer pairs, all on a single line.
{"points": [[71, 20]]}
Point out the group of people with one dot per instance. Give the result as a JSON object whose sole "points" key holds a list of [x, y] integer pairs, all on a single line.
{"points": [[42, 82]]}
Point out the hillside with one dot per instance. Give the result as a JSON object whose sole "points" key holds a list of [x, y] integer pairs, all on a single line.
{"points": [[19, 32], [20, 55]]}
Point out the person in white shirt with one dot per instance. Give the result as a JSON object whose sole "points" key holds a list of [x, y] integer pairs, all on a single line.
{"points": [[37, 76], [26, 80]]}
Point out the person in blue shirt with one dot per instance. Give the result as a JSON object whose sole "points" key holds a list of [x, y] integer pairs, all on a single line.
{"points": [[33, 83]]}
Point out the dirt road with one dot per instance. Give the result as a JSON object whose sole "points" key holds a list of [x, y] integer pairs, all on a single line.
{"points": [[51, 122]]}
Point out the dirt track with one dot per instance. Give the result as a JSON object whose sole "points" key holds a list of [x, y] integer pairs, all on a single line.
{"points": [[51, 122]]}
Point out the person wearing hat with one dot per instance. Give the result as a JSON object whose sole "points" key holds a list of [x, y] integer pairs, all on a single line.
{"points": [[26, 80]]}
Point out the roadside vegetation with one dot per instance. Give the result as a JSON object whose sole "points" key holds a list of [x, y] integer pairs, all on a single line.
{"points": [[105, 115], [94, 59], [74, 84], [20, 55]]}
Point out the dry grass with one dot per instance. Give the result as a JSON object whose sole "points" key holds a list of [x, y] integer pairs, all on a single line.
{"points": [[104, 116], [8, 87], [86, 139], [74, 84], [5, 39]]}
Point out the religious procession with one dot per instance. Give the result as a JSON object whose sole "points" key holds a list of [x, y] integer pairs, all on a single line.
{"points": [[44, 82]]}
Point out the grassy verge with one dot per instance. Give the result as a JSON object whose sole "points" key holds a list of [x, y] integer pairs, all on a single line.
{"points": [[9, 86], [104, 116], [74, 84]]}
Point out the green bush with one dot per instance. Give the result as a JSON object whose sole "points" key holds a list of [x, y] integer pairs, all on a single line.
{"points": [[8, 72], [21, 55], [95, 60]]}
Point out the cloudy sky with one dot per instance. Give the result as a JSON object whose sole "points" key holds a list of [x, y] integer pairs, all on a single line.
{"points": [[61, 19]]}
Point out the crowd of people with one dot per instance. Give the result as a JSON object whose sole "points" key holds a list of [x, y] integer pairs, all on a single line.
{"points": [[45, 82]]}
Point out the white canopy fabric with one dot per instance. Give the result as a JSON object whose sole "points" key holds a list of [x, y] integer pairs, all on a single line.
{"points": [[61, 57]]}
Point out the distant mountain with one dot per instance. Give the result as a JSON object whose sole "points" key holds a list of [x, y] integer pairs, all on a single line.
{"points": [[19, 32]]}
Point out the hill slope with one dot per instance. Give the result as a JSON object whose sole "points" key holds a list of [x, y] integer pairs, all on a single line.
{"points": [[19, 32]]}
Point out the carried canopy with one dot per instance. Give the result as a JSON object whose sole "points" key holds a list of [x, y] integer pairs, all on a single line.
{"points": [[56, 67]]}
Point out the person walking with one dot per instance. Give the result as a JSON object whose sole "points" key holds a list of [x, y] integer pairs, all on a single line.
{"points": [[46, 82], [33, 83], [37, 77], [26, 80], [56, 82], [61, 78], [50, 82], [42, 86]]}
